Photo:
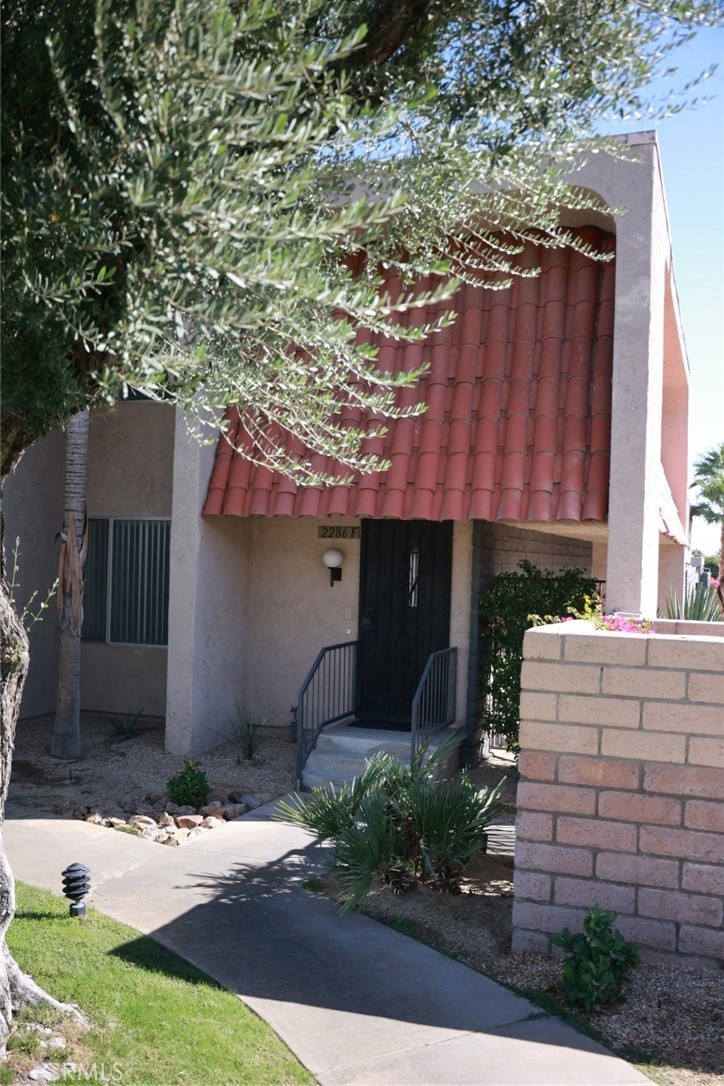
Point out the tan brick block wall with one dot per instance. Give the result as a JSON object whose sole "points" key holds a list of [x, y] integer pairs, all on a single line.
{"points": [[564, 861], [536, 766], [596, 833], [699, 781], [533, 886], [686, 908], [622, 783], [634, 807], [538, 706], [705, 941], [641, 870], [646, 746], [613, 649], [639, 682], [683, 717], [706, 752], [703, 878], [566, 678], [608, 712], [645, 932], [573, 769], [557, 737], [707, 686], [588, 892], [700, 815], [533, 826], [556, 797], [702, 655], [660, 841], [542, 644]]}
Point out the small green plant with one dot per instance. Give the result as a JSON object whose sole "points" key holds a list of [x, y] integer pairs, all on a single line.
{"points": [[248, 732], [189, 787], [598, 962], [697, 605], [124, 727]]}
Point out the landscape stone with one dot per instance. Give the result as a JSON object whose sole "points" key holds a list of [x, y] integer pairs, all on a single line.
{"points": [[211, 823], [166, 819], [182, 835], [251, 802], [188, 821], [197, 832], [186, 809]]}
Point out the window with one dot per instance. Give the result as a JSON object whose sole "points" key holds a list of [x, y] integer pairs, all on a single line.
{"points": [[126, 581]]}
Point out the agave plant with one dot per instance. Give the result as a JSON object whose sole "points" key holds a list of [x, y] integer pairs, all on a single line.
{"points": [[697, 605]]}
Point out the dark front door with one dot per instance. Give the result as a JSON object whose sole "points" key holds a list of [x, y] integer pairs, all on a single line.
{"points": [[404, 611]]}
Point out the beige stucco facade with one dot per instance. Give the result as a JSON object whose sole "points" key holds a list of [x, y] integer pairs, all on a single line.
{"points": [[250, 600]]}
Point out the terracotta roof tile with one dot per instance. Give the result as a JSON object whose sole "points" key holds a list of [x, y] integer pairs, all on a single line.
{"points": [[518, 412]]}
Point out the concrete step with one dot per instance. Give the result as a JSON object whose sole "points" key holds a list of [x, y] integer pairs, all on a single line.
{"points": [[342, 752]]}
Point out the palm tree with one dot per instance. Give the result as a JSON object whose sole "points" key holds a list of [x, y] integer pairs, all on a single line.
{"points": [[709, 481], [66, 733]]}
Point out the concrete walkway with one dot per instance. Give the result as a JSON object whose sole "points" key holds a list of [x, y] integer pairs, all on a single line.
{"points": [[355, 1001]]}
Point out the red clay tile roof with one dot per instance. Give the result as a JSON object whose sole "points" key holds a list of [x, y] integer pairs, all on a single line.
{"points": [[518, 418]]}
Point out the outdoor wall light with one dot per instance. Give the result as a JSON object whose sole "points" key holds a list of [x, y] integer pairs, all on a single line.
{"points": [[76, 886], [333, 561]]}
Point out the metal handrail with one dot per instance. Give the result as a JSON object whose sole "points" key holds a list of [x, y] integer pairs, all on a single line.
{"points": [[435, 701], [328, 693]]}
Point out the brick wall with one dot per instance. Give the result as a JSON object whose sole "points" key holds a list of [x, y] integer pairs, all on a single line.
{"points": [[621, 794]]}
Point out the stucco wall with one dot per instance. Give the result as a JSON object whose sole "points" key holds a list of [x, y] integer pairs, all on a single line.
{"points": [[621, 795], [33, 509], [130, 458], [130, 464]]}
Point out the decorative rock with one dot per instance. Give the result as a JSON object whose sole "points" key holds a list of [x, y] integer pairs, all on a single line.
{"points": [[251, 802], [185, 810], [171, 808], [57, 1042], [234, 810], [96, 818], [168, 839], [154, 797], [209, 808], [217, 795], [165, 819], [197, 832], [45, 1072], [143, 821], [181, 836], [144, 809], [236, 796], [211, 823], [189, 821], [114, 823]]}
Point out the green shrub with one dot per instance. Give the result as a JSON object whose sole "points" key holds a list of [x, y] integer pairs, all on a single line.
{"points": [[125, 727], [398, 823], [189, 787], [248, 732], [598, 962], [506, 610]]}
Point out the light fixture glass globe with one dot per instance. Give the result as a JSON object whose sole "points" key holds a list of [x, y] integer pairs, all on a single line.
{"points": [[332, 558]]}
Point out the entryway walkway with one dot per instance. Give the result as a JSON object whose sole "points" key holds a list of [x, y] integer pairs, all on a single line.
{"points": [[355, 1001]]}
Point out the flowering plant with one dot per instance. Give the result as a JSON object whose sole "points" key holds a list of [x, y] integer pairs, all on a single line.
{"points": [[592, 611]]}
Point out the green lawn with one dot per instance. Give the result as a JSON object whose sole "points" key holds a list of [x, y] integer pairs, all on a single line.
{"points": [[154, 1018]]}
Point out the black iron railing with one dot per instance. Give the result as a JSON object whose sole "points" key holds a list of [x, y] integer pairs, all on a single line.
{"points": [[328, 693], [434, 703]]}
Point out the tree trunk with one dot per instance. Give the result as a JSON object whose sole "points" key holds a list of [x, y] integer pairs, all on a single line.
{"points": [[16, 988], [66, 734]]}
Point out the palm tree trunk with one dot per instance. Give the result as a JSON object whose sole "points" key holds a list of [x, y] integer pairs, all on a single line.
{"points": [[16, 988], [66, 734]]}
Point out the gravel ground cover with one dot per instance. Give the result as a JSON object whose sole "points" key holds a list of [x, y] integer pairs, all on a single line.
{"points": [[672, 1015]]}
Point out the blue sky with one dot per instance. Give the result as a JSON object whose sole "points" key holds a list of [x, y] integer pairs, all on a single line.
{"points": [[692, 152]]}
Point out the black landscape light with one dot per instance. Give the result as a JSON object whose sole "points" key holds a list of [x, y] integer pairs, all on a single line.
{"points": [[76, 886]]}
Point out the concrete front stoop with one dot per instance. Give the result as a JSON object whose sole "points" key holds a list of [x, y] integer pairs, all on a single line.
{"points": [[342, 751]]}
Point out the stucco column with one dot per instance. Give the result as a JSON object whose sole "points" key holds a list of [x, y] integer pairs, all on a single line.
{"points": [[642, 252], [189, 489]]}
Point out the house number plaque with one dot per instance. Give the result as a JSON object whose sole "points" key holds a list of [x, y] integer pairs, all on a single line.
{"points": [[328, 531]]}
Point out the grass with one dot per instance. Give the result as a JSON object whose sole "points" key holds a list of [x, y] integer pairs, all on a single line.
{"points": [[154, 1018]]}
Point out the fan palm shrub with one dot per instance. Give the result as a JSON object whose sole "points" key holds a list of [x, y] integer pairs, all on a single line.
{"points": [[399, 824]]}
